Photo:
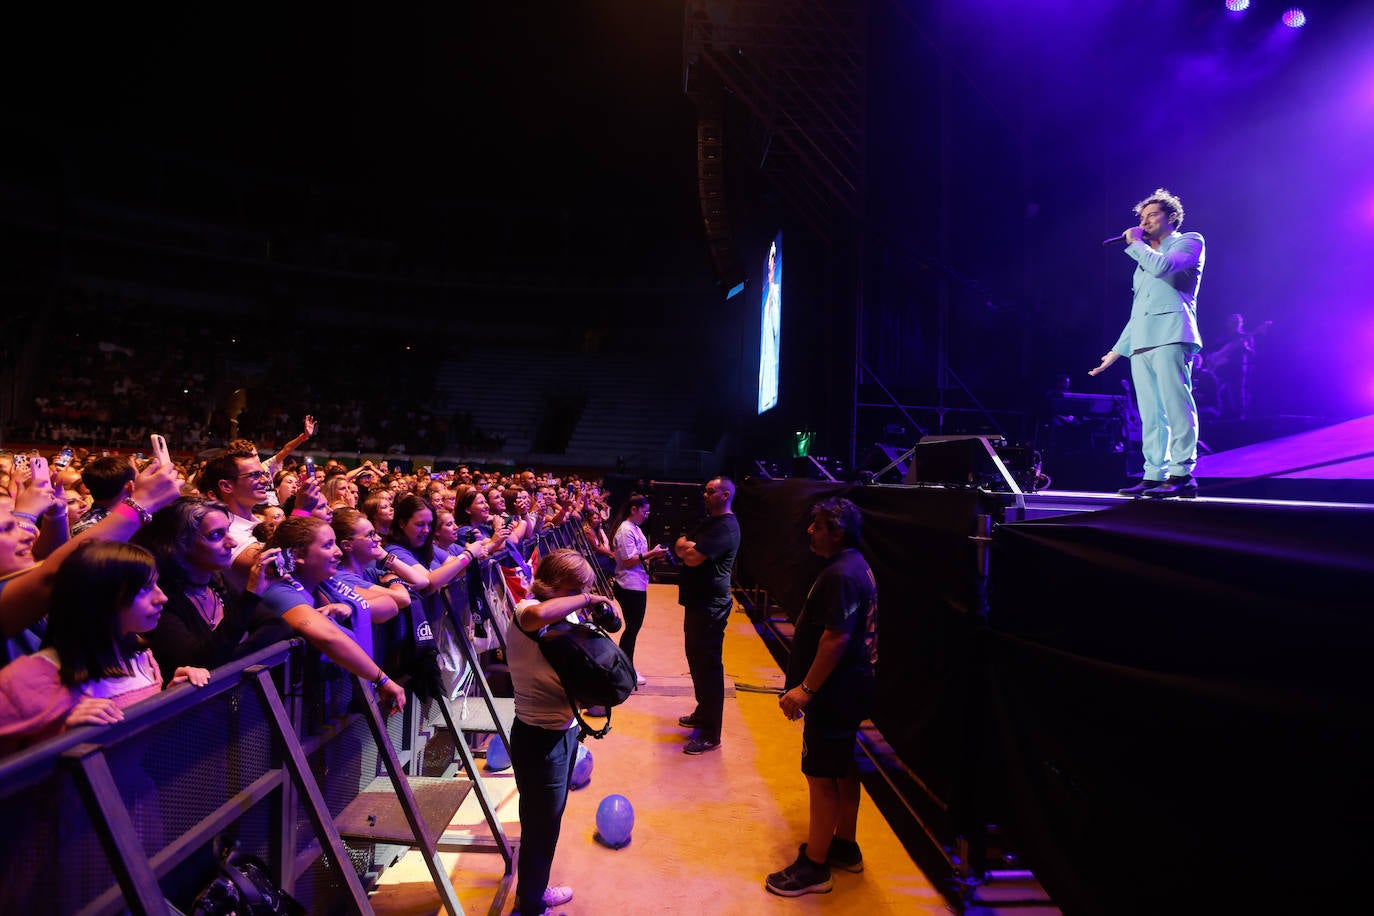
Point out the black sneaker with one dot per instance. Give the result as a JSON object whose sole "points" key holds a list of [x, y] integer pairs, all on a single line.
{"points": [[844, 855], [688, 721], [801, 877], [1139, 488], [701, 746]]}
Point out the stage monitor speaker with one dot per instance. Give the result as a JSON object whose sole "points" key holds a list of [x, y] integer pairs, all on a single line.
{"points": [[956, 461], [676, 509], [893, 462]]}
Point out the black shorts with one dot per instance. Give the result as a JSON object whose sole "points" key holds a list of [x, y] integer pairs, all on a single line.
{"points": [[828, 740]]}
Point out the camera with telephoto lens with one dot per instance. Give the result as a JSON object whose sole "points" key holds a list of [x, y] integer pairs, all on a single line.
{"points": [[601, 614]]}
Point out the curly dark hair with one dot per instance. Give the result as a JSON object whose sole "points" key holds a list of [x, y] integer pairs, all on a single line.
{"points": [[840, 515], [1170, 204]]}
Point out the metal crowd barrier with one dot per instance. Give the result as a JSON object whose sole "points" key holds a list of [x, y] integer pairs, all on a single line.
{"points": [[277, 752], [108, 819]]}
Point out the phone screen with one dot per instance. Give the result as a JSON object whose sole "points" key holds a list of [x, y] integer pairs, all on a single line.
{"points": [[160, 449]]}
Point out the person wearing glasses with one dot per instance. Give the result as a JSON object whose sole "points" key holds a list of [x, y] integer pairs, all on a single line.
{"points": [[369, 572], [241, 483]]}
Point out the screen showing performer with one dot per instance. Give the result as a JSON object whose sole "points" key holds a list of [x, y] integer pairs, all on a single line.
{"points": [[770, 340]]}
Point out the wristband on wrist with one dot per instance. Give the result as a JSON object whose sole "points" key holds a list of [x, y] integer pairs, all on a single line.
{"points": [[144, 516], [27, 516], [380, 681], [807, 690]]}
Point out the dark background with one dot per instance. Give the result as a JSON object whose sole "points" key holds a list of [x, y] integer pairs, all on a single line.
{"points": [[542, 158]]}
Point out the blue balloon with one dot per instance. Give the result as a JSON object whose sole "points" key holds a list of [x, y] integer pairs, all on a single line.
{"points": [[615, 820], [498, 758], [582, 768]]}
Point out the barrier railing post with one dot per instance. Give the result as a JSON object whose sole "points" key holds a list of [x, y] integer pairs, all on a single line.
{"points": [[116, 830]]}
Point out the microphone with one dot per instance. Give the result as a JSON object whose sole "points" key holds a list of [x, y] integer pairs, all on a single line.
{"points": [[1114, 239]]}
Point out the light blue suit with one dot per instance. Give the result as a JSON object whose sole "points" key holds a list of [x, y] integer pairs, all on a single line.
{"points": [[1161, 338]]}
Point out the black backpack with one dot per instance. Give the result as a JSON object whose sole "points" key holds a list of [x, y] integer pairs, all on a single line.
{"points": [[593, 669]]}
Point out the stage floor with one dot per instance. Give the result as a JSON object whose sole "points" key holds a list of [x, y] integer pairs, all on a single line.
{"points": [[1048, 503]]}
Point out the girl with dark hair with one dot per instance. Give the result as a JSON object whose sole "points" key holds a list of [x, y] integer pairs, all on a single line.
{"points": [[632, 558], [411, 542], [543, 743], [475, 521], [93, 663], [594, 531], [203, 623]]}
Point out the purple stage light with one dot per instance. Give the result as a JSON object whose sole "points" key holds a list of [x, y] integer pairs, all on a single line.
{"points": [[1294, 18], [1237, 6]]}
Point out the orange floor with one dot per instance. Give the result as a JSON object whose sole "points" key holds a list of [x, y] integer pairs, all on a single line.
{"points": [[707, 829]]}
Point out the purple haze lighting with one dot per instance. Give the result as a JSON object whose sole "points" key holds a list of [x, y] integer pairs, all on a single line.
{"points": [[1237, 6], [1294, 18]]}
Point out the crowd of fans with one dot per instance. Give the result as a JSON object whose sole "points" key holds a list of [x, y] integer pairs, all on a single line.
{"points": [[119, 576]]}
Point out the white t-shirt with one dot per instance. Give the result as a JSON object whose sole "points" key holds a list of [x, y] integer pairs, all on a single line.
{"points": [[630, 542]]}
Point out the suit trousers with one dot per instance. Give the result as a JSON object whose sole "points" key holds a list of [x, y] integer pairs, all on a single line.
{"points": [[1163, 378]]}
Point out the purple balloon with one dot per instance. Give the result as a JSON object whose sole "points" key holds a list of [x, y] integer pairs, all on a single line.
{"points": [[615, 820], [498, 758], [582, 768]]}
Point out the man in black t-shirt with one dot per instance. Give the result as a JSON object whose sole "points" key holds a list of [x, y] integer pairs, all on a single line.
{"points": [[830, 682], [708, 556]]}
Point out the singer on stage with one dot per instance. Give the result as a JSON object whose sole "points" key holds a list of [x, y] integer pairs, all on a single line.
{"points": [[1160, 338]]}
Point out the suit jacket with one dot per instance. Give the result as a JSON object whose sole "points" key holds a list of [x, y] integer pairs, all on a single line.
{"points": [[1165, 287]]}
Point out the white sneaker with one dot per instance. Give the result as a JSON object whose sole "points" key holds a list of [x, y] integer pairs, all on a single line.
{"points": [[557, 894], [641, 679]]}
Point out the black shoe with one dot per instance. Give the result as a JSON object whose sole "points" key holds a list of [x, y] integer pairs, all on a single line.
{"points": [[688, 721], [1139, 488], [801, 877], [1180, 487], [701, 746]]}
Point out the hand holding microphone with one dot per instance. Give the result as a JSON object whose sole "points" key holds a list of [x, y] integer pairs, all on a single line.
{"points": [[1133, 234]]}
